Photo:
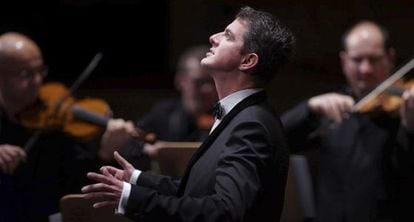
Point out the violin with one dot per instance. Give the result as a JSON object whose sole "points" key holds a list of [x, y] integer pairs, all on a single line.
{"points": [[83, 118], [54, 111], [205, 121], [388, 101], [386, 97]]}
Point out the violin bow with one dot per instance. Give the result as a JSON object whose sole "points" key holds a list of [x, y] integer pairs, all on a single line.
{"points": [[375, 92], [384, 85], [85, 74]]}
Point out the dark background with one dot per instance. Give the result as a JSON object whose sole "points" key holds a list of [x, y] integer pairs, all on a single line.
{"points": [[132, 35], [141, 40]]}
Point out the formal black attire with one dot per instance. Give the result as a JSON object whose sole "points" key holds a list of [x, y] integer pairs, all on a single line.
{"points": [[238, 173], [364, 163]]}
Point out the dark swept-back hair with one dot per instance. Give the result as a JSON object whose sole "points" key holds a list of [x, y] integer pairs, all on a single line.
{"points": [[269, 39]]}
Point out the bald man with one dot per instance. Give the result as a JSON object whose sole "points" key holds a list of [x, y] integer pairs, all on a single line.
{"points": [[21, 73], [364, 160], [31, 183]]}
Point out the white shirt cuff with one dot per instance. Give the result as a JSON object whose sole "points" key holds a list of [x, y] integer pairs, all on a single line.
{"points": [[134, 176], [126, 191]]}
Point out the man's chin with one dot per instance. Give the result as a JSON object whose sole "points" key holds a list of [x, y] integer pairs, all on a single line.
{"points": [[206, 61]]}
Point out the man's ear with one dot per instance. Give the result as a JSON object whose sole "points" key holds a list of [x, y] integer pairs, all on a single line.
{"points": [[391, 55], [249, 61]]}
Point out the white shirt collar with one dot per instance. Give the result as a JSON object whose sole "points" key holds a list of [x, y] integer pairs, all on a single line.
{"points": [[230, 101]]}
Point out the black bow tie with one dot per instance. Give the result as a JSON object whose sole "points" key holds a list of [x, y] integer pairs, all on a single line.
{"points": [[218, 111]]}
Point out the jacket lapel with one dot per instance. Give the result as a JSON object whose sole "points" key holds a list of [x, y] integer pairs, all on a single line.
{"points": [[250, 100]]}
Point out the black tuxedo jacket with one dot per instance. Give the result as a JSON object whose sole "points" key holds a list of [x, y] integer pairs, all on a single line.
{"points": [[238, 174]]}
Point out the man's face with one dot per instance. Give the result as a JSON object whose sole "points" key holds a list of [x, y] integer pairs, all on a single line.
{"points": [[365, 62], [20, 81], [225, 53], [197, 88]]}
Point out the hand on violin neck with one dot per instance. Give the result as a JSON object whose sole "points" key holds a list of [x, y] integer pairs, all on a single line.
{"points": [[333, 106], [117, 135]]}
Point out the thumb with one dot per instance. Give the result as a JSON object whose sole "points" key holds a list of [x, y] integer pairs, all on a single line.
{"points": [[123, 162], [112, 170]]}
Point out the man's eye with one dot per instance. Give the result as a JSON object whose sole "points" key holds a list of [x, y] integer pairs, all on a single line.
{"points": [[227, 36], [376, 59], [356, 60]]}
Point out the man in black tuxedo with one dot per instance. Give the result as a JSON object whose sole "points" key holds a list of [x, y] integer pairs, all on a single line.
{"points": [[239, 172]]}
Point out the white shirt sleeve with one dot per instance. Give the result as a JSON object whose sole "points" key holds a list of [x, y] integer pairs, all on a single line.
{"points": [[126, 191], [134, 177]]}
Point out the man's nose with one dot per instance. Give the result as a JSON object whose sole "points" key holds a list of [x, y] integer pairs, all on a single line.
{"points": [[214, 39], [366, 66], [38, 78]]}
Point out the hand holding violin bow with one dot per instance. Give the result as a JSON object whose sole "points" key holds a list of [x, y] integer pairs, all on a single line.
{"points": [[394, 97]]}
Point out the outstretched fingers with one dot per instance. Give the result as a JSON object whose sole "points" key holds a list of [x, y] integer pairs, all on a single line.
{"points": [[123, 162], [99, 187], [101, 178], [107, 196], [112, 170], [107, 191], [113, 204], [107, 183]]}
